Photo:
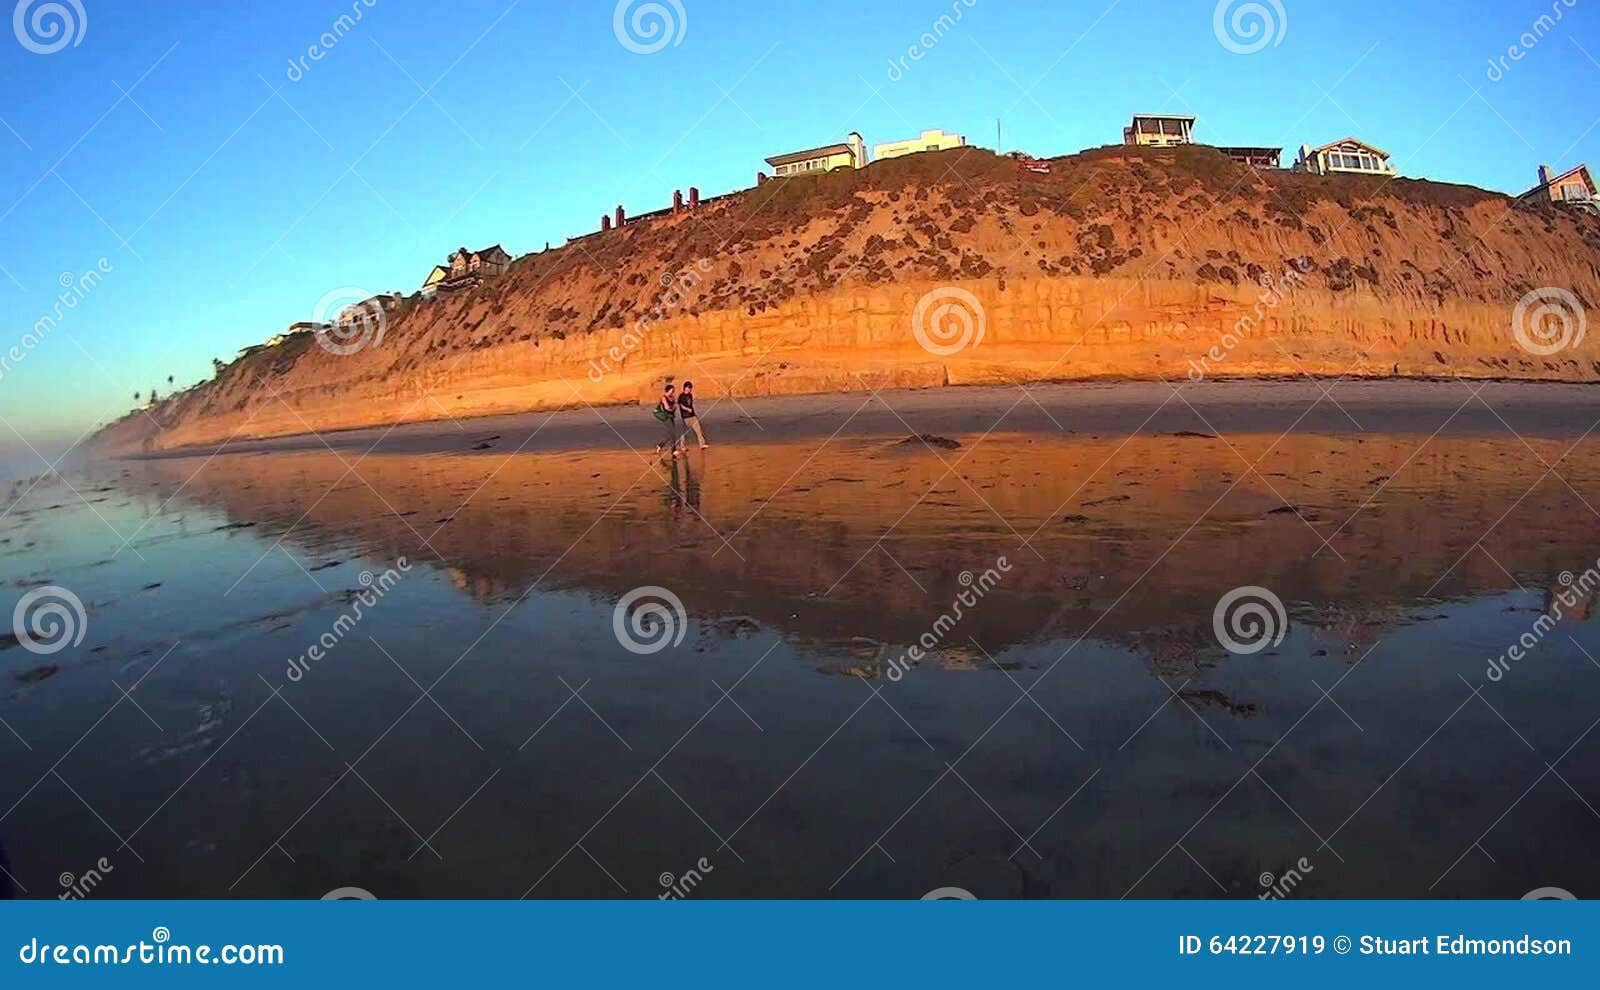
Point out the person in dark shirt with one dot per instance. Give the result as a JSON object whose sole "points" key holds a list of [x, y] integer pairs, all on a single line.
{"points": [[690, 420]]}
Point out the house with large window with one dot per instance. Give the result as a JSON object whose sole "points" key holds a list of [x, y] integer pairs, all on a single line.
{"points": [[852, 153], [1575, 188], [1157, 130], [934, 140], [1346, 156]]}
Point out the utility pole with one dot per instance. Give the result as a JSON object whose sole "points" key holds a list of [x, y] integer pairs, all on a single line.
{"points": [[999, 148]]}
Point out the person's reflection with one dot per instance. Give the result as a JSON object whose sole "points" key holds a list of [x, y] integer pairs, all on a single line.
{"points": [[672, 498], [682, 488], [691, 487]]}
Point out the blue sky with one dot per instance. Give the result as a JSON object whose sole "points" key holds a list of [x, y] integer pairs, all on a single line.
{"points": [[228, 198]]}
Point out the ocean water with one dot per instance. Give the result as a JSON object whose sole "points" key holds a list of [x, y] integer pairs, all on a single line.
{"points": [[1160, 666]]}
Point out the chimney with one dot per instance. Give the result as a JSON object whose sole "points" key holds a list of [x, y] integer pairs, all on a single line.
{"points": [[677, 201], [694, 197], [1546, 173], [621, 217], [858, 149], [761, 177], [605, 223]]}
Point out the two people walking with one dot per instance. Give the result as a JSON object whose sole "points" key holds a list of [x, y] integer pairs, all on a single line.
{"points": [[673, 406]]}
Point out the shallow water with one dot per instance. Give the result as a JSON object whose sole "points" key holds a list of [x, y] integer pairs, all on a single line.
{"points": [[480, 730]]}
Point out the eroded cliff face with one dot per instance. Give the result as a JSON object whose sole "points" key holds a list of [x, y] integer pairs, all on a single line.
{"points": [[956, 268]]}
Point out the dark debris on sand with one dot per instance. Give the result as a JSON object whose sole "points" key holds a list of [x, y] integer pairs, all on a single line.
{"points": [[37, 674], [1108, 500]]}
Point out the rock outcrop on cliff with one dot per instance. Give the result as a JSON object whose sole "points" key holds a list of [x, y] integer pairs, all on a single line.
{"points": [[953, 268]]}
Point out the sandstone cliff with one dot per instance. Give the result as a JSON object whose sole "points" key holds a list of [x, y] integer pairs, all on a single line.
{"points": [[954, 268]]}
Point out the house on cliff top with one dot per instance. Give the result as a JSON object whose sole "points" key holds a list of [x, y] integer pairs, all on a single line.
{"points": [[1255, 157], [934, 140], [1346, 156], [430, 285], [1575, 188], [369, 307], [465, 269], [299, 329], [489, 262], [1156, 130], [852, 153]]}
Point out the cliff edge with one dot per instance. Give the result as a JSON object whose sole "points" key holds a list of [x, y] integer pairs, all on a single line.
{"points": [[950, 268]]}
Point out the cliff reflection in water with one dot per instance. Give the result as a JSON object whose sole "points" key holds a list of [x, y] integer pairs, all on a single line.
{"points": [[857, 548]]}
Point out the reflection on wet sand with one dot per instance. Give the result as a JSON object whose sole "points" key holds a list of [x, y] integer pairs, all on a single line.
{"points": [[854, 549], [1066, 721]]}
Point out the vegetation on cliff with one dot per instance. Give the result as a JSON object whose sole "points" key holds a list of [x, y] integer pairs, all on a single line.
{"points": [[798, 284]]}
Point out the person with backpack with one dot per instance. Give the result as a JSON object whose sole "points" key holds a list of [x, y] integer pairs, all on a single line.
{"points": [[690, 420], [666, 413]]}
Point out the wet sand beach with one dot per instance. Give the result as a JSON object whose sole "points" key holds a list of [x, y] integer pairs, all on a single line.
{"points": [[882, 664]]}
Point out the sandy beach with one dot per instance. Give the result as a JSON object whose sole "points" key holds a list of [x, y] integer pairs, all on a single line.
{"points": [[1448, 408], [1060, 578]]}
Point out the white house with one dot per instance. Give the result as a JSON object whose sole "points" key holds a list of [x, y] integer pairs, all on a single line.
{"points": [[934, 140]]}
